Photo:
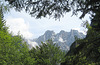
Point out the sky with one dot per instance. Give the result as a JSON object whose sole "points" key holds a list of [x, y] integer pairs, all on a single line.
{"points": [[31, 28]]}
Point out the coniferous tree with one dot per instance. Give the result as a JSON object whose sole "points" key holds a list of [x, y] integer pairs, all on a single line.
{"points": [[47, 54], [13, 50]]}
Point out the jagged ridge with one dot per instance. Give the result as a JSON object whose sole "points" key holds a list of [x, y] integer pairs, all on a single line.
{"points": [[63, 39]]}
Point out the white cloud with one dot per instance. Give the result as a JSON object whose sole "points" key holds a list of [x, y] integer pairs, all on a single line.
{"points": [[18, 25], [39, 26], [32, 44], [84, 31]]}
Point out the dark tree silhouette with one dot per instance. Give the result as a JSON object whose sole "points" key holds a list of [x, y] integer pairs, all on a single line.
{"points": [[57, 8], [39, 8]]}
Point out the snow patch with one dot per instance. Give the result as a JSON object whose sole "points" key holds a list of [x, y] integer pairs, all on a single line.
{"points": [[60, 39], [67, 47]]}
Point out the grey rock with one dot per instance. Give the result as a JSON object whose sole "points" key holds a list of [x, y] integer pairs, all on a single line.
{"points": [[62, 39]]}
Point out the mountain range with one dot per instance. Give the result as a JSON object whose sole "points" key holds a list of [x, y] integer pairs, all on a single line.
{"points": [[63, 39]]}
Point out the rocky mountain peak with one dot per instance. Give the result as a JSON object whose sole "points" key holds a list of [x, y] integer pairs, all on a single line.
{"points": [[49, 32], [63, 39], [62, 31]]}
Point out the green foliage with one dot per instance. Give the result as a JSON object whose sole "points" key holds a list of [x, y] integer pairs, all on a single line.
{"points": [[13, 50], [87, 52], [47, 54]]}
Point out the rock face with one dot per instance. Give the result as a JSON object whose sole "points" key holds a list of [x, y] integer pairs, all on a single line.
{"points": [[62, 39]]}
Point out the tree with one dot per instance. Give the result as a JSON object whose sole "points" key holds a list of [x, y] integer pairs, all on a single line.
{"points": [[13, 50], [91, 7], [86, 6], [47, 7], [47, 54], [39, 8]]}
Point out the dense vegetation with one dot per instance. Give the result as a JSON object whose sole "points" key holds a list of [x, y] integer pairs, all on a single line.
{"points": [[47, 54], [85, 51], [14, 51]]}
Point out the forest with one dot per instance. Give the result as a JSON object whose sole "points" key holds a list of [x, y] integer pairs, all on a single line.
{"points": [[14, 50]]}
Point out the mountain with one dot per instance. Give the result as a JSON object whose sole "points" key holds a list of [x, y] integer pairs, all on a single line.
{"points": [[63, 39]]}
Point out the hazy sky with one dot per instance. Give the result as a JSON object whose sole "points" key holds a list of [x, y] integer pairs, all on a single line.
{"points": [[31, 28]]}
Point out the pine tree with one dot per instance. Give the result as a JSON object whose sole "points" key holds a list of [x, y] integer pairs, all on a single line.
{"points": [[47, 54]]}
